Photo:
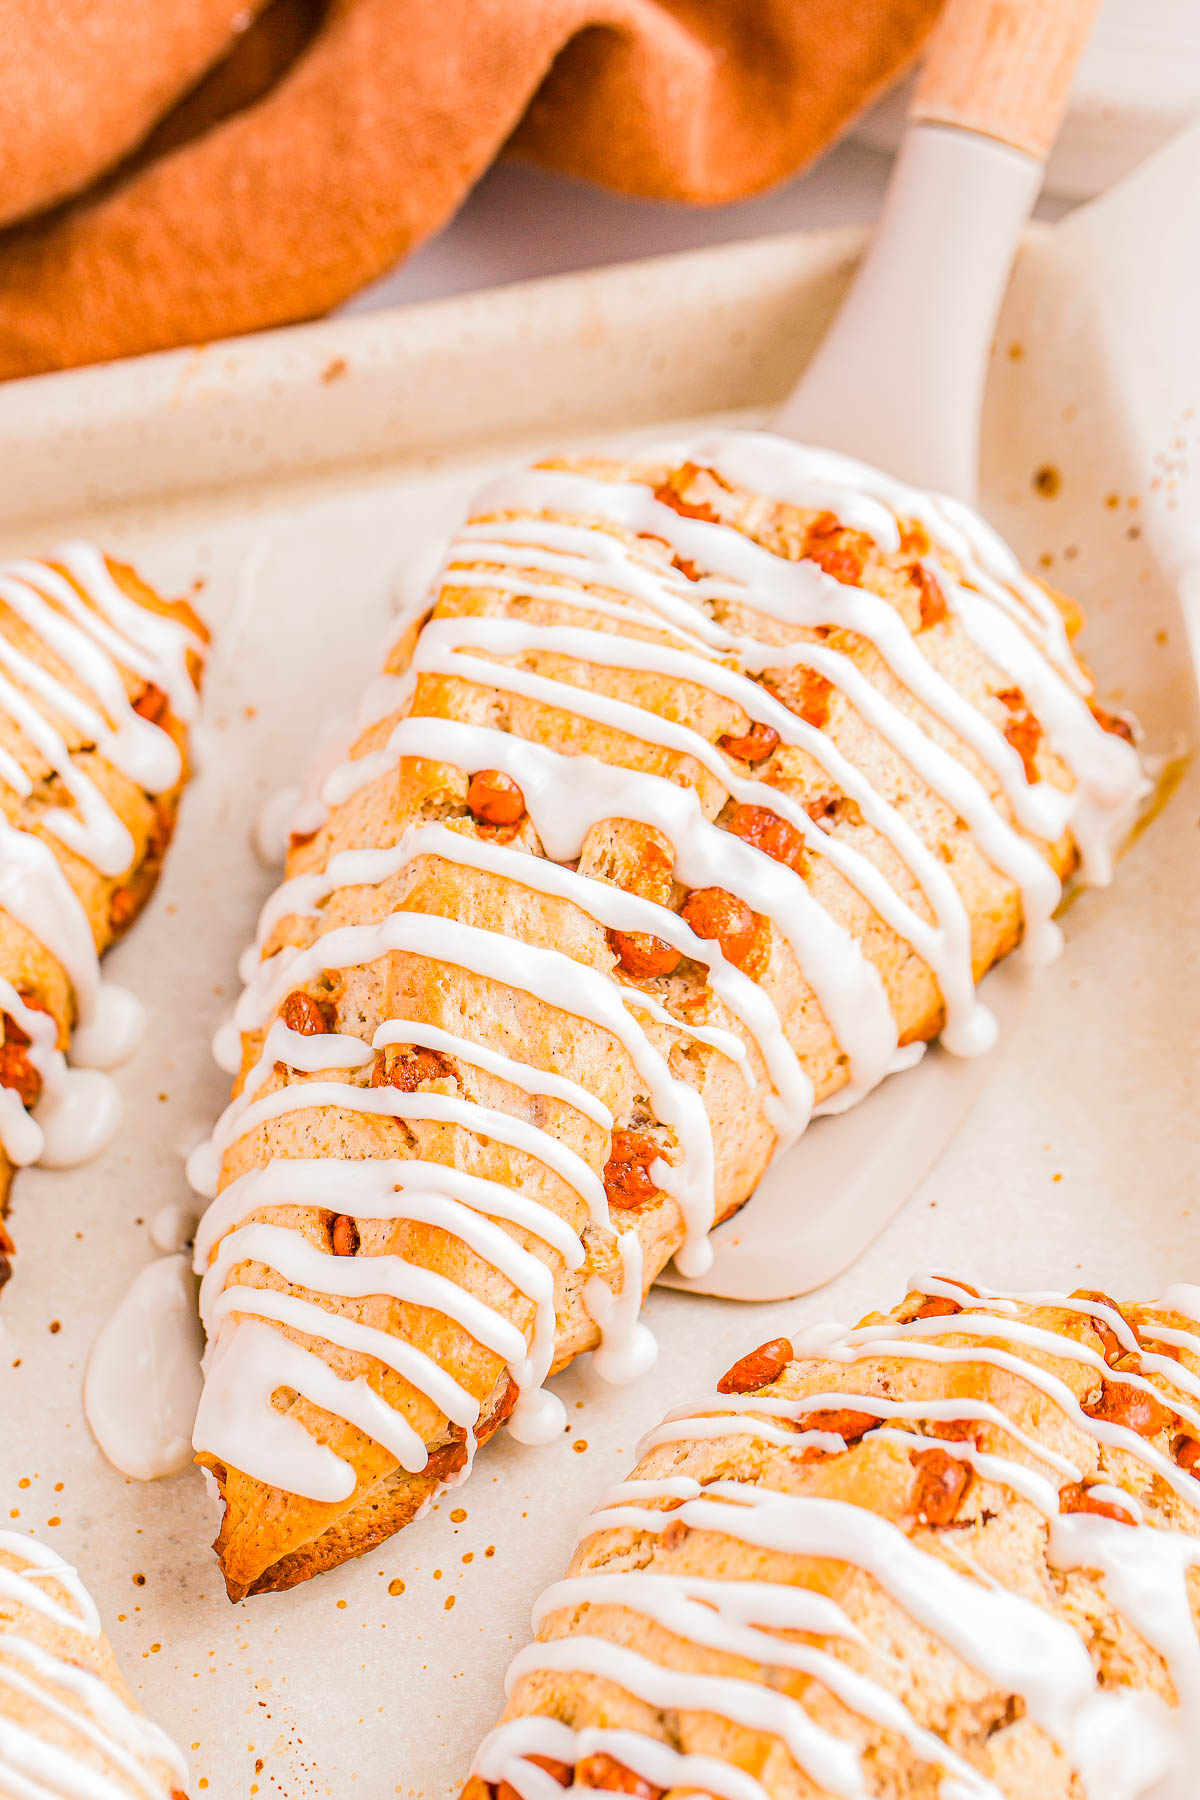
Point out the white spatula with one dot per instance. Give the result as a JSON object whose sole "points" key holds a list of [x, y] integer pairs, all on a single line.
{"points": [[898, 382]]}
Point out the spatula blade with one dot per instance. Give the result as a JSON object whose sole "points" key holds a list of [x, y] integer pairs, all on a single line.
{"points": [[823, 1201]]}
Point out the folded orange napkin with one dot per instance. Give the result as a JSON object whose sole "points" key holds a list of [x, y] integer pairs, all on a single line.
{"points": [[178, 170]]}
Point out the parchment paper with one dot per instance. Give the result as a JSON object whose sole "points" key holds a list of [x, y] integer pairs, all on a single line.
{"points": [[1079, 1162]]}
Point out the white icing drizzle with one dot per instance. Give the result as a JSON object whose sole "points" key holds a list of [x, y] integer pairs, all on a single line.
{"points": [[501, 1758], [626, 1349], [91, 1720], [1122, 1743], [944, 945], [650, 619], [730, 1616], [784, 470], [273, 825], [802, 594], [77, 1111], [93, 631], [831, 959], [1109, 781], [547, 975], [560, 798]]}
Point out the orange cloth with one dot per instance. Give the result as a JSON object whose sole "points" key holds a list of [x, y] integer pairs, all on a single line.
{"points": [[176, 170]]}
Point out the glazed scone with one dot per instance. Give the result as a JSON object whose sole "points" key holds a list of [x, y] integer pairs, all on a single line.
{"points": [[951, 1552], [98, 683], [707, 793], [68, 1724]]}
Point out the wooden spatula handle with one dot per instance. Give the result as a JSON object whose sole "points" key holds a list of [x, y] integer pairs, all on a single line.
{"points": [[1004, 68]]}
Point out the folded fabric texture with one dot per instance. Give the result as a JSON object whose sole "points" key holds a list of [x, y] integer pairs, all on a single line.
{"points": [[98, 684], [68, 1724], [216, 173], [709, 790], [952, 1551]]}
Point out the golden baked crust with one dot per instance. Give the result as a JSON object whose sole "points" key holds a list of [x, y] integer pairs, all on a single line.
{"points": [[68, 1723], [664, 661], [955, 1546], [65, 677]]}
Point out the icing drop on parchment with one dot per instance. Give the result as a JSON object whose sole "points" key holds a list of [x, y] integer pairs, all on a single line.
{"points": [[273, 825], [538, 1417], [173, 1228], [112, 1031], [78, 1118], [143, 1377]]}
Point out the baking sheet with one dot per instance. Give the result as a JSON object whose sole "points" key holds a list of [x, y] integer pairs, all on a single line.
{"points": [[292, 477]]}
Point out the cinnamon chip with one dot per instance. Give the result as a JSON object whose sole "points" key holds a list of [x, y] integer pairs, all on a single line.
{"points": [[495, 799], [306, 1014], [937, 1307], [759, 1368], [1187, 1454], [686, 568], [840, 560], [942, 1482], [1120, 1403], [671, 493], [627, 1178], [1025, 734], [643, 955], [605, 1773], [407, 1068], [743, 934], [808, 694], [343, 1235], [932, 600], [11, 1032], [1075, 1498], [841, 1421], [1120, 725], [151, 704], [766, 831], [16, 1070], [753, 745], [1114, 1350]]}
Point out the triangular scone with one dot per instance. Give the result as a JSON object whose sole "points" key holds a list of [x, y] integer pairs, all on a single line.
{"points": [[98, 683], [68, 1723], [953, 1551], [711, 784]]}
